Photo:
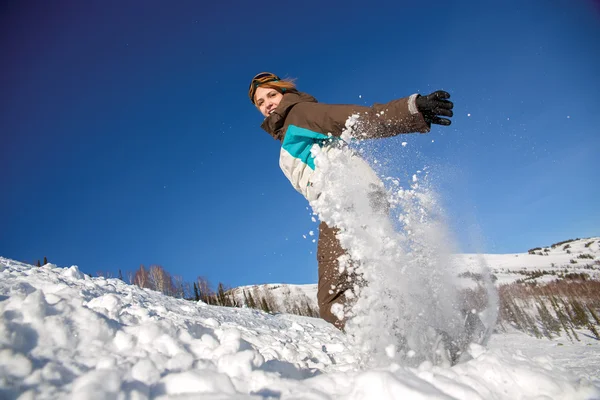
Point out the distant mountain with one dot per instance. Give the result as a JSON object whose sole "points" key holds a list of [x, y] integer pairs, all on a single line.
{"points": [[540, 264], [284, 298], [570, 258], [547, 292]]}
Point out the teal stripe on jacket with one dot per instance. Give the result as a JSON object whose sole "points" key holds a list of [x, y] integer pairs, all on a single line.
{"points": [[298, 142]]}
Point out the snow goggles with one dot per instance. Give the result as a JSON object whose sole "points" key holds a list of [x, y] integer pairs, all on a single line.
{"points": [[258, 80]]}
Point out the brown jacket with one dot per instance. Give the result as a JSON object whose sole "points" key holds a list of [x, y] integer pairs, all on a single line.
{"points": [[382, 120]]}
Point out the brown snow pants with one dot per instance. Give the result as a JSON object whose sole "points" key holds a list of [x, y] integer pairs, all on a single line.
{"points": [[332, 283]]}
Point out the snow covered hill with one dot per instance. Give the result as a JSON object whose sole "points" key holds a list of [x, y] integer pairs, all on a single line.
{"points": [[542, 264], [66, 335], [286, 298]]}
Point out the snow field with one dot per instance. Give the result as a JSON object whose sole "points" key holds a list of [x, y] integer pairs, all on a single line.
{"points": [[66, 335]]}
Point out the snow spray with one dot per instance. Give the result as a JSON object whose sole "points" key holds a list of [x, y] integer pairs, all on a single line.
{"points": [[405, 299]]}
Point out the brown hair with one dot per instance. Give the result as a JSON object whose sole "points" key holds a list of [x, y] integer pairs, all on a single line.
{"points": [[282, 86]]}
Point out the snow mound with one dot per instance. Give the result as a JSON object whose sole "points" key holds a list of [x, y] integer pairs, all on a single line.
{"points": [[66, 335]]}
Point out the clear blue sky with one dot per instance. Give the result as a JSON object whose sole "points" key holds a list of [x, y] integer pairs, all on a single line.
{"points": [[127, 136]]}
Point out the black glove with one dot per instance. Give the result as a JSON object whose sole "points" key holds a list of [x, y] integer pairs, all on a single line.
{"points": [[433, 105]]}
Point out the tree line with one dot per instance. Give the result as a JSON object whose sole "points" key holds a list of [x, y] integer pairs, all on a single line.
{"points": [[157, 278], [542, 310]]}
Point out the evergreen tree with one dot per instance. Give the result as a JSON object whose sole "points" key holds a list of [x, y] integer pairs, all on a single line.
{"points": [[561, 316], [221, 297], [309, 310], [45, 260], [204, 291], [196, 292], [532, 325], [120, 275], [38, 263], [515, 315], [265, 306], [592, 329], [570, 318], [579, 316], [594, 315], [251, 302], [203, 296], [549, 323]]}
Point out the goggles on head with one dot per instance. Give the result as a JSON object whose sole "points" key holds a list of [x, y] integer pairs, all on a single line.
{"points": [[258, 80]]}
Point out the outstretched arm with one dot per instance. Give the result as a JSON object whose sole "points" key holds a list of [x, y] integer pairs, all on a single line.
{"points": [[407, 115]]}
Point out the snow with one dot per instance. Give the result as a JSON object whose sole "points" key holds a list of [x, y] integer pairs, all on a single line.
{"points": [[66, 335]]}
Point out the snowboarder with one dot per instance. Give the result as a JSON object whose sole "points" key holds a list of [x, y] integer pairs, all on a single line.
{"points": [[298, 121]]}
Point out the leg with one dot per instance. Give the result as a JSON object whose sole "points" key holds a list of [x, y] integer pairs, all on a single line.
{"points": [[332, 283]]}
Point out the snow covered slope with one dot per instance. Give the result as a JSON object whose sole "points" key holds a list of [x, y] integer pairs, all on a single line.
{"points": [[66, 335], [549, 263], [553, 261], [283, 297]]}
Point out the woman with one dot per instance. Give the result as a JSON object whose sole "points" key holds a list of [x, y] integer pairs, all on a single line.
{"points": [[299, 122]]}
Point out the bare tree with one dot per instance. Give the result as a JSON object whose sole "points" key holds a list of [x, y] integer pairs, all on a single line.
{"points": [[130, 276], [160, 280], [178, 287], [141, 278], [204, 289]]}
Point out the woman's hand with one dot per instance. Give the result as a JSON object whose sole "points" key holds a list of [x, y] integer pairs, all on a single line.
{"points": [[435, 105]]}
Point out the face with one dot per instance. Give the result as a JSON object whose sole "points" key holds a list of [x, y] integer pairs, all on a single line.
{"points": [[267, 99]]}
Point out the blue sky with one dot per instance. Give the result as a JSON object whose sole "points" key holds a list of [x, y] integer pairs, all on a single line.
{"points": [[127, 136]]}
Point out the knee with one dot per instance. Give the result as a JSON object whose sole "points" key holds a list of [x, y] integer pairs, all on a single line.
{"points": [[325, 312]]}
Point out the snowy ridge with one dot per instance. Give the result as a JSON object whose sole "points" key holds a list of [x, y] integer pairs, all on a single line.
{"points": [[576, 256], [285, 298], [507, 268], [64, 334]]}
